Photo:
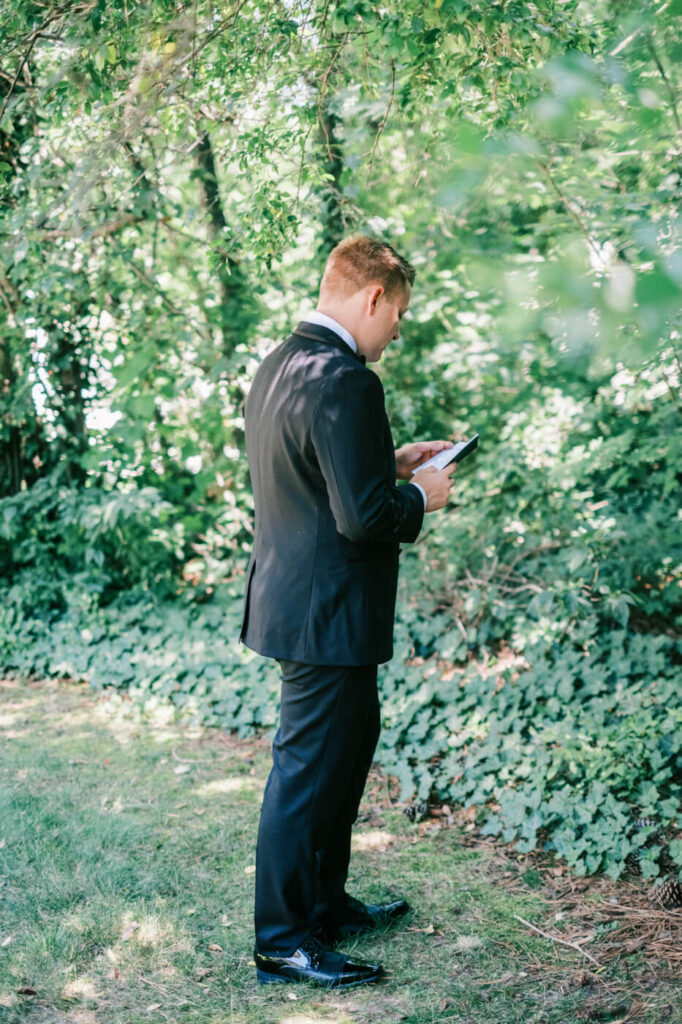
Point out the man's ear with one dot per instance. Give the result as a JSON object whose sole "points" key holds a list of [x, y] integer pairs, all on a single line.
{"points": [[374, 295]]}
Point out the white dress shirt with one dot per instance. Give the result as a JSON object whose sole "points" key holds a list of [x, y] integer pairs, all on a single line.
{"points": [[328, 321], [316, 317]]}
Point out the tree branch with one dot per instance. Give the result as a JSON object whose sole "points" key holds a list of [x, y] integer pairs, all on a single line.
{"points": [[166, 301], [669, 86], [101, 231], [323, 89], [583, 230], [32, 39], [382, 124]]}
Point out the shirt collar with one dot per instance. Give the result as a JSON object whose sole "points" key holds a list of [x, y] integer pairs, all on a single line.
{"points": [[328, 321]]}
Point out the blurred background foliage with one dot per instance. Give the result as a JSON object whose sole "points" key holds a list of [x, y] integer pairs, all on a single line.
{"points": [[172, 178]]}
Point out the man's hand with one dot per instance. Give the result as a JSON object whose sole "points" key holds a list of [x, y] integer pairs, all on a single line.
{"points": [[416, 454], [437, 484]]}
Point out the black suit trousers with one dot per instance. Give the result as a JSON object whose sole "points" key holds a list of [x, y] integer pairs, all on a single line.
{"points": [[328, 731]]}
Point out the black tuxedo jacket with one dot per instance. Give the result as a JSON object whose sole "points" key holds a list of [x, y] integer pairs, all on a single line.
{"points": [[329, 518]]}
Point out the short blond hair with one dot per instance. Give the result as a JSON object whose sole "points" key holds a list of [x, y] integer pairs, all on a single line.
{"points": [[361, 260]]}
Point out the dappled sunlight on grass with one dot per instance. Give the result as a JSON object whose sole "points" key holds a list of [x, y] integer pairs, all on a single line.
{"points": [[466, 943], [18, 709], [165, 734], [22, 703], [123, 718], [153, 931], [150, 930], [374, 840], [231, 785], [79, 988], [315, 1018]]}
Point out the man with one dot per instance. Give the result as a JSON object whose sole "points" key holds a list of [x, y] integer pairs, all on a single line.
{"points": [[320, 598]]}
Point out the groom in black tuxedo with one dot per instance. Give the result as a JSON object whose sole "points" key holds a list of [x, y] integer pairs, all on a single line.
{"points": [[320, 598]]}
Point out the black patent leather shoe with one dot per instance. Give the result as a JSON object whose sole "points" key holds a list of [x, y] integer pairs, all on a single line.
{"points": [[315, 962], [362, 918]]}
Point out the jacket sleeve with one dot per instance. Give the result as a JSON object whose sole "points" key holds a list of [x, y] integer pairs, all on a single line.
{"points": [[349, 430]]}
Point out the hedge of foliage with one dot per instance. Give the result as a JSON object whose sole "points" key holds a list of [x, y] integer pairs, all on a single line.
{"points": [[564, 755], [537, 662]]}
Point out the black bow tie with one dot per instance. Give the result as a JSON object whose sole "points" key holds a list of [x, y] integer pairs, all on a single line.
{"points": [[361, 358]]}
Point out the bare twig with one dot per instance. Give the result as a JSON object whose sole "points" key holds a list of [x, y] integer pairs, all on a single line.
{"points": [[628, 39], [382, 124], [563, 942], [532, 551], [300, 169], [164, 298], [22, 64], [581, 226], [33, 38], [323, 89], [7, 292], [669, 86], [221, 27]]}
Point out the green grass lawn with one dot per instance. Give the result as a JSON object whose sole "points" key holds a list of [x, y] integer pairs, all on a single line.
{"points": [[126, 886]]}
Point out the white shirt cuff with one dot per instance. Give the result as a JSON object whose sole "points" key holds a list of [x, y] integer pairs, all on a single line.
{"points": [[420, 488]]}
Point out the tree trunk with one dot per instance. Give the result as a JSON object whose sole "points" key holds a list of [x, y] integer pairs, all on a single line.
{"points": [[230, 274], [71, 380], [22, 440], [331, 198]]}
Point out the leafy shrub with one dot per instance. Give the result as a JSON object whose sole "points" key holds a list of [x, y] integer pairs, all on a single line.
{"points": [[57, 539], [562, 755], [155, 650]]}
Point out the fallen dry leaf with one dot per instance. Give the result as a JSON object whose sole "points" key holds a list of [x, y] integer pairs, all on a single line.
{"points": [[215, 948]]}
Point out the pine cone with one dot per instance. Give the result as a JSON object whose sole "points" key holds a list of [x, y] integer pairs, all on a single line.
{"points": [[417, 811], [641, 823], [667, 894], [632, 859]]}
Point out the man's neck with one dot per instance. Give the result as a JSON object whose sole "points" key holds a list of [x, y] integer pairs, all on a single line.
{"points": [[338, 326]]}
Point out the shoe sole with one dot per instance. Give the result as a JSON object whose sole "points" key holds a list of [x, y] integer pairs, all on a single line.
{"points": [[264, 978]]}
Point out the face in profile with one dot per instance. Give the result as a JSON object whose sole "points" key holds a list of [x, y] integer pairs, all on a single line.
{"points": [[381, 323]]}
